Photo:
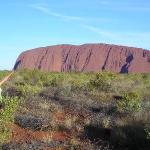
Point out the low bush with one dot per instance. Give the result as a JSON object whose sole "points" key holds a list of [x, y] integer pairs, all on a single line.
{"points": [[102, 82], [9, 106], [130, 102], [147, 130], [28, 89]]}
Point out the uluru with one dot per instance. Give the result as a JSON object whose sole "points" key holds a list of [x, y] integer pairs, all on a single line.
{"points": [[86, 58]]}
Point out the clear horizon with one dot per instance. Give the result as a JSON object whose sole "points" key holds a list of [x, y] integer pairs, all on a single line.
{"points": [[26, 25]]}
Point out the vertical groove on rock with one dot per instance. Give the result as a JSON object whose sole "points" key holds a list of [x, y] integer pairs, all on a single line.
{"points": [[120, 57], [129, 59], [64, 59], [37, 61], [40, 63], [77, 59], [105, 62], [51, 61], [87, 60], [46, 59]]}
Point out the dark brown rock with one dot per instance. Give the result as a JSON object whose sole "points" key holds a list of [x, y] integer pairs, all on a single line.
{"points": [[87, 57]]}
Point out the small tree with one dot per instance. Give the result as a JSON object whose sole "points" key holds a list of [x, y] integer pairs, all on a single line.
{"points": [[131, 102]]}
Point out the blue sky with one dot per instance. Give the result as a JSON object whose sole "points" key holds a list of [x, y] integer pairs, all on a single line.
{"points": [[26, 24]]}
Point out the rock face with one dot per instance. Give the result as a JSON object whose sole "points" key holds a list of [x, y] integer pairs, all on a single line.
{"points": [[87, 58]]}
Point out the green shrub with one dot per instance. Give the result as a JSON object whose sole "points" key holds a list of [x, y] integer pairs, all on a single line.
{"points": [[34, 77], [147, 130], [102, 81], [131, 102], [28, 89], [6, 116], [3, 74]]}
